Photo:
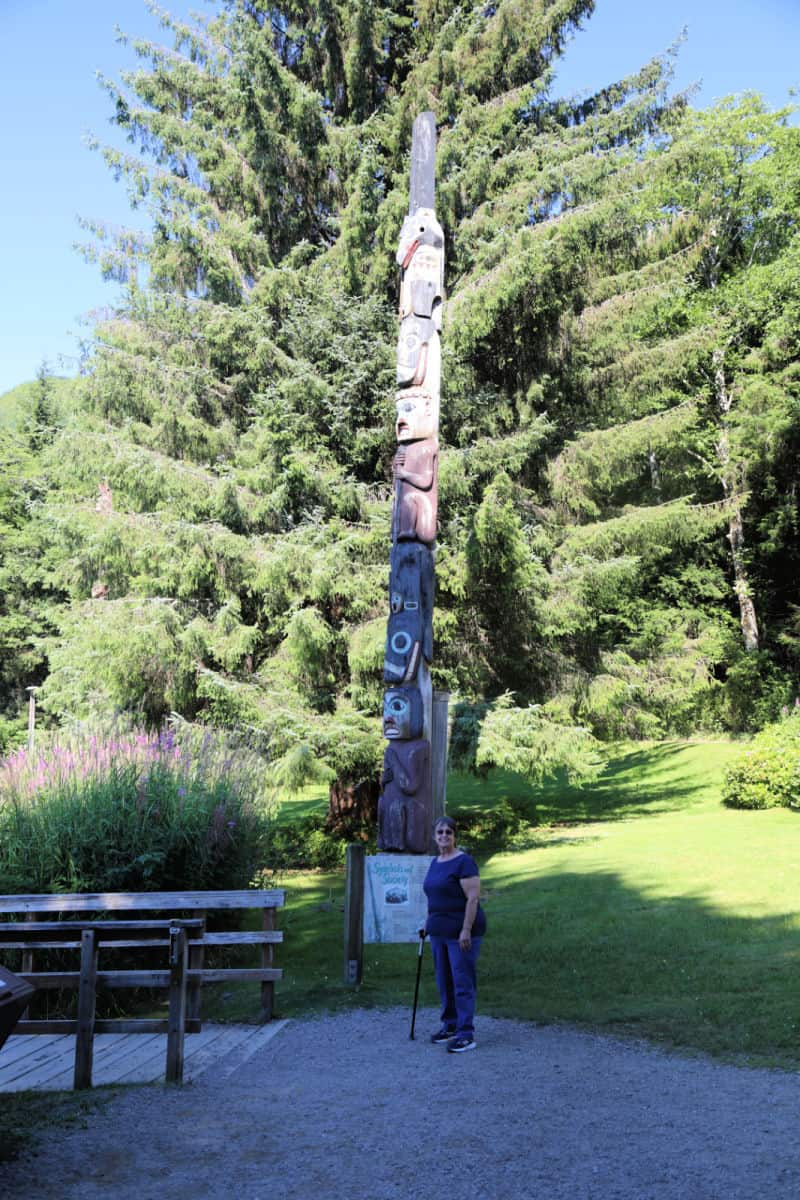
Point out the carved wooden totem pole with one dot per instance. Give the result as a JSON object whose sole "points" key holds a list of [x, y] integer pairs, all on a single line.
{"points": [[405, 809]]}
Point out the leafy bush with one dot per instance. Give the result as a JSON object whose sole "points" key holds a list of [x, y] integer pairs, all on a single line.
{"points": [[767, 774], [494, 828], [755, 692], [307, 845], [136, 811], [535, 742]]}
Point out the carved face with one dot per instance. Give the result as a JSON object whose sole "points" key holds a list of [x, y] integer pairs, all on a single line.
{"points": [[415, 333], [417, 415], [402, 714]]}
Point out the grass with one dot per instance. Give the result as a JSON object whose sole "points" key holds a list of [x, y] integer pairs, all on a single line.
{"points": [[308, 802], [22, 1113], [638, 905]]}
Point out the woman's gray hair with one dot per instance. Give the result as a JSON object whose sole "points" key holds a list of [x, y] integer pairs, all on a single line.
{"points": [[448, 821]]}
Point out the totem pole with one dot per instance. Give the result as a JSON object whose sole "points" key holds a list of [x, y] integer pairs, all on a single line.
{"points": [[405, 809]]}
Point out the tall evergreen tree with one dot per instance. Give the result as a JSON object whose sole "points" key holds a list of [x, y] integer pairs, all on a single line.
{"points": [[225, 487]]}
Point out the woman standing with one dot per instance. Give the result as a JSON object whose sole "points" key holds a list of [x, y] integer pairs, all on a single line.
{"points": [[455, 925]]}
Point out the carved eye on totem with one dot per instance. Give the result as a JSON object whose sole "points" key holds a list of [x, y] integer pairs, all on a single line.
{"points": [[396, 715], [397, 602], [401, 642]]}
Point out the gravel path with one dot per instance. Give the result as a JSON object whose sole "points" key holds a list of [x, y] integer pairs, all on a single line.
{"points": [[347, 1107]]}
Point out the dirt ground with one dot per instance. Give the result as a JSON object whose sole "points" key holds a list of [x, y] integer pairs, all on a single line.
{"points": [[347, 1106]]}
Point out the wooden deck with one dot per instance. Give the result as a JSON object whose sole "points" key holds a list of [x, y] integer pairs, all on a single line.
{"points": [[46, 1062]]}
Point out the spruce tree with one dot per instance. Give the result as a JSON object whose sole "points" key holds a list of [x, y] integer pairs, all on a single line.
{"points": [[237, 408]]}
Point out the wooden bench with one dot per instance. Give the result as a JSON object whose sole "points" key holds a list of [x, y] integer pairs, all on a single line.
{"points": [[184, 938]]}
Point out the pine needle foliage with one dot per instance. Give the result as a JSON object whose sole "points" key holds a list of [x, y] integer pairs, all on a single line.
{"points": [[208, 531]]}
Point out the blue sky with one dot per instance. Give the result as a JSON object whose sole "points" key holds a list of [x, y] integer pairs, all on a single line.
{"points": [[50, 51]]}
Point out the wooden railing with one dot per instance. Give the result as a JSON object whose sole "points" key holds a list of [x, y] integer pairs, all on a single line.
{"points": [[183, 974]]}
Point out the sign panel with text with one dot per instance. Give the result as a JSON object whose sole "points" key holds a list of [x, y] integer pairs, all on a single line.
{"points": [[394, 902]]}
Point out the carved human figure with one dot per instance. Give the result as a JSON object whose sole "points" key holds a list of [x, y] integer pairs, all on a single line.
{"points": [[405, 806], [416, 491], [409, 637], [402, 713]]}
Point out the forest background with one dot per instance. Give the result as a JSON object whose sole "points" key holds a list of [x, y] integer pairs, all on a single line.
{"points": [[199, 524]]}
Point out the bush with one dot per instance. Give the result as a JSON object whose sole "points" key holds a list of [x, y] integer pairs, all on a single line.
{"points": [[494, 828], [754, 694], [133, 812], [307, 845], [767, 774]]}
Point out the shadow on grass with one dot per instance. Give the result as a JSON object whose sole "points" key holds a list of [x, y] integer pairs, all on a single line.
{"points": [[591, 949], [643, 781]]}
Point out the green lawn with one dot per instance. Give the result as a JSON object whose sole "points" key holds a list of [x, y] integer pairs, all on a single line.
{"points": [[638, 904]]}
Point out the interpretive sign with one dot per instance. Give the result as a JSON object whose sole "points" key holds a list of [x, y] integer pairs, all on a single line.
{"points": [[394, 902]]}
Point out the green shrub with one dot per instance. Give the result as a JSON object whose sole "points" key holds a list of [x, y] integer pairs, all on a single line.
{"points": [[767, 774], [756, 691], [133, 812], [492, 829], [306, 845]]}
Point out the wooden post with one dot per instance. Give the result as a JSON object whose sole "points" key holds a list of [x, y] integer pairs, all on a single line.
{"points": [[267, 987], [354, 915], [196, 959], [439, 740], [31, 716], [176, 1021], [87, 1001], [27, 960]]}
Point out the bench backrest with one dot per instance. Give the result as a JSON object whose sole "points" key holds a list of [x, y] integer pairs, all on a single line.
{"points": [[142, 901]]}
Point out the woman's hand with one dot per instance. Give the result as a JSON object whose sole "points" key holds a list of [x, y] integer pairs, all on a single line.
{"points": [[465, 939]]}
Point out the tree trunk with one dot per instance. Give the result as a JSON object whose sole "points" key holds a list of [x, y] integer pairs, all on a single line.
{"points": [[732, 487], [353, 807], [741, 584], [655, 473]]}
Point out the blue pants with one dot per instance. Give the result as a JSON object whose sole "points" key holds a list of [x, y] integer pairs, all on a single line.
{"points": [[456, 980]]}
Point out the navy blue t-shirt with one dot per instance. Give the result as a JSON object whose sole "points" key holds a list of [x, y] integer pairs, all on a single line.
{"points": [[446, 899]]}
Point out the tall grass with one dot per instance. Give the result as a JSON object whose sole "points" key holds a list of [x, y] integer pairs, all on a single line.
{"points": [[133, 811]]}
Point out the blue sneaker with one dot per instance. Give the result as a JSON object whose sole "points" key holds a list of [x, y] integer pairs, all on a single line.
{"points": [[458, 1045], [444, 1035]]}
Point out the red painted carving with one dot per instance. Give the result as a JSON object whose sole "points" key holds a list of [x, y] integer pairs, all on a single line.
{"points": [[416, 491]]}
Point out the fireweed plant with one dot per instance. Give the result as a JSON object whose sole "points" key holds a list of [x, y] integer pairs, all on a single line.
{"points": [[119, 811]]}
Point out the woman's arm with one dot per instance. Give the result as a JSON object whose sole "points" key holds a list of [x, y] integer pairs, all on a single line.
{"points": [[472, 890]]}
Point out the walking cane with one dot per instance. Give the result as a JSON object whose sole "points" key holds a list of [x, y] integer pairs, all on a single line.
{"points": [[416, 986]]}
